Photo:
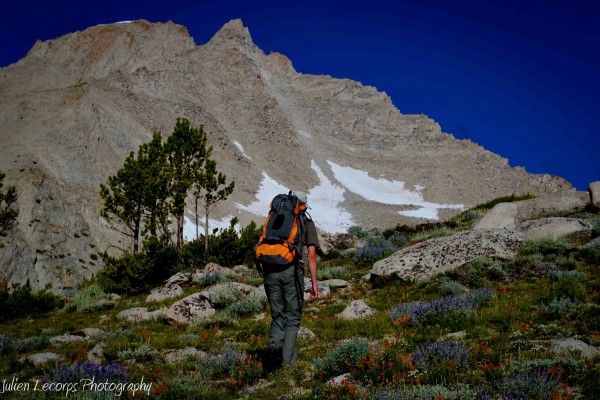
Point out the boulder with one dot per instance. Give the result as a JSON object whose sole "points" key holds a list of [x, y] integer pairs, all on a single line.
{"points": [[177, 356], [437, 255], [214, 268], [356, 310], [185, 278], [594, 192], [194, 306], [503, 215], [556, 228], [164, 292], [139, 314], [508, 215], [41, 359], [79, 336], [565, 345], [321, 287]]}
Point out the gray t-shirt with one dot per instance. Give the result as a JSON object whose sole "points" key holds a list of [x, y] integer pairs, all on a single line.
{"points": [[309, 238]]}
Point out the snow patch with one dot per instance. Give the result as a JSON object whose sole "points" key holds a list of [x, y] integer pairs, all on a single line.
{"points": [[189, 226], [327, 198], [324, 201], [268, 189], [241, 149], [388, 192]]}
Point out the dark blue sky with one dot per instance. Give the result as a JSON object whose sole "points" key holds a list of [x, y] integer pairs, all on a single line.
{"points": [[521, 78]]}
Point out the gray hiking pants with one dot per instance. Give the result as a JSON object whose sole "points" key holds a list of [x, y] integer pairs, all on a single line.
{"points": [[285, 290]]}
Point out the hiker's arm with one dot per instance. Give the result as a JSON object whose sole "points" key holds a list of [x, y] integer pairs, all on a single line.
{"points": [[312, 265]]}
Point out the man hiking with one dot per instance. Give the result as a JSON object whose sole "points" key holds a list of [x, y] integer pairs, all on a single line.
{"points": [[288, 243]]}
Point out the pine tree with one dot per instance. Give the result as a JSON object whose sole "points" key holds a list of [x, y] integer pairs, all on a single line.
{"points": [[212, 183], [186, 152]]}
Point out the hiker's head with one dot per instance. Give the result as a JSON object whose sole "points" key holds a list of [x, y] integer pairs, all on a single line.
{"points": [[302, 197]]}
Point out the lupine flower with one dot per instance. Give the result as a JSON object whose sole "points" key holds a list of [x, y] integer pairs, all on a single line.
{"points": [[420, 311], [440, 353]]}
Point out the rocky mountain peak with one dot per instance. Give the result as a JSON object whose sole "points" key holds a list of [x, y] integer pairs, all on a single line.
{"points": [[75, 106], [233, 30], [100, 50]]}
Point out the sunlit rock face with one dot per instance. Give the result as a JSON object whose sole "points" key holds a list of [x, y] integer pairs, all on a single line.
{"points": [[75, 106]]}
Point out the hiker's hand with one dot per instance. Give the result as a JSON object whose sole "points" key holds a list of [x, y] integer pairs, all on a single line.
{"points": [[314, 292]]}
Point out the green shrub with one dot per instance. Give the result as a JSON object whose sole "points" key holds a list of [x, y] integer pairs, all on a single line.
{"points": [[245, 307], [506, 199], [343, 358], [225, 247], [558, 308], [546, 247], [358, 232], [141, 353], [451, 287], [23, 302], [224, 295], [419, 392], [133, 273], [90, 298]]}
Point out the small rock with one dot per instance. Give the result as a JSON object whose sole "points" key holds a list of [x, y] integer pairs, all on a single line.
{"points": [[460, 335], [114, 296], [91, 333], [305, 333], [356, 310], [336, 283], [339, 380]]}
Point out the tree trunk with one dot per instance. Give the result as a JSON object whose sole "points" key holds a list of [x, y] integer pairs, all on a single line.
{"points": [[196, 218], [206, 230], [179, 232], [136, 235]]}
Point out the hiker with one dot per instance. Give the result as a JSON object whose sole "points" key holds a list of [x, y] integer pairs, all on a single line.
{"points": [[283, 268]]}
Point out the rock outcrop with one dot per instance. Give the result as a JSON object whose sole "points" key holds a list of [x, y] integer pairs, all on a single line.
{"points": [[437, 255], [509, 215]]}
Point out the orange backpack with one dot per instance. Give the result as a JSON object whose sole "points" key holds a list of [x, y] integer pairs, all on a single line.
{"points": [[281, 233]]}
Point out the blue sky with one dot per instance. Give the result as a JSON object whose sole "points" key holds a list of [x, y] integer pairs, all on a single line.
{"points": [[520, 78]]}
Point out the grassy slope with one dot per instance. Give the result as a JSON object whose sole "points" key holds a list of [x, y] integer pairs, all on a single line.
{"points": [[551, 290]]}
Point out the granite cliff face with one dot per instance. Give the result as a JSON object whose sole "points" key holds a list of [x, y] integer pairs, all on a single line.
{"points": [[74, 107]]}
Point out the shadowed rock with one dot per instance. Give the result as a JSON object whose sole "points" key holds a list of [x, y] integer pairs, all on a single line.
{"points": [[557, 228], [594, 192]]}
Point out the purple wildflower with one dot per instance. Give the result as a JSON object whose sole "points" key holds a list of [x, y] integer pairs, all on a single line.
{"points": [[440, 353]]}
